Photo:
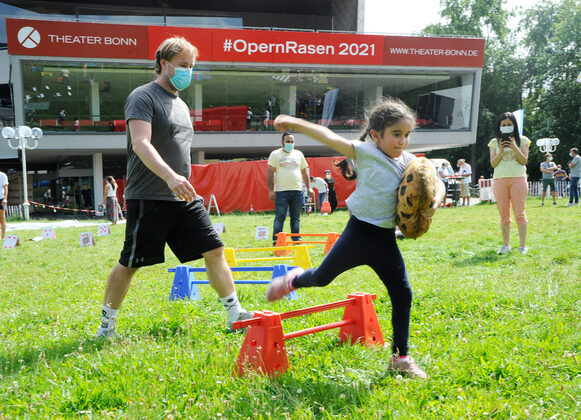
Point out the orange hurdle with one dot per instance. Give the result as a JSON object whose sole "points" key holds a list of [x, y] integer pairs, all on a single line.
{"points": [[264, 350], [284, 239]]}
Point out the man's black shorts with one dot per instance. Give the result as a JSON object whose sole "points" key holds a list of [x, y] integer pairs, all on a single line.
{"points": [[185, 227]]}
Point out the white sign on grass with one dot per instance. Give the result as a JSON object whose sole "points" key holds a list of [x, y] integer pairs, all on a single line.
{"points": [[103, 230], [261, 232], [11, 241], [219, 228], [48, 233], [87, 239]]}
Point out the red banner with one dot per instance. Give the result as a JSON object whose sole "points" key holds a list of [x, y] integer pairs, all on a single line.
{"points": [[72, 39], [94, 40], [237, 185], [439, 52]]}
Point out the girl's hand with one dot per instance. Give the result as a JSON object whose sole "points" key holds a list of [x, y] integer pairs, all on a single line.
{"points": [[429, 212], [283, 122]]}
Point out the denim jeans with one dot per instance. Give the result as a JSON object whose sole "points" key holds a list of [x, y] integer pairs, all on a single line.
{"points": [[322, 197], [287, 200], [573, 192]]}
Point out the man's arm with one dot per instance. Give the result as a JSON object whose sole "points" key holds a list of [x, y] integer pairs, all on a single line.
{"points": [[307, 182], [141, 143], [270, 182], [5, 199]]}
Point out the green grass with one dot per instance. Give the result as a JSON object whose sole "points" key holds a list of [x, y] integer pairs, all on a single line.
{"points": [[498, 335]]}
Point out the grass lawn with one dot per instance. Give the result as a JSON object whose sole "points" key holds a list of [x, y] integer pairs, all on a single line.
{"points": [[500, 336]]}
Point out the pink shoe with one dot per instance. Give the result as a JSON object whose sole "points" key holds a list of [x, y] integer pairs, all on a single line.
{"points": [[406, 365], [281, 286]]}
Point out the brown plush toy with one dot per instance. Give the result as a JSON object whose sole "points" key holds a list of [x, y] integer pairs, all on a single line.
{"points": [[416, 192]]}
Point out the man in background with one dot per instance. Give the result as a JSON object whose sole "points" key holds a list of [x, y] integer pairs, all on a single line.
{"points": [[287, 171], [548, 169], [3, 202], [465, 171]]}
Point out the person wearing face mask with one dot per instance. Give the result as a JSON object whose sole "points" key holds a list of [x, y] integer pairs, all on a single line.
{"points": [[575, 174], [287, 171], [162, 206], [548, 169], [331, 187], [509, 152]]}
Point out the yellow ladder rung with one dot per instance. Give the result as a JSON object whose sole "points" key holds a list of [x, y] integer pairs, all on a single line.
{"points": [[272, 248], [266, 259]]}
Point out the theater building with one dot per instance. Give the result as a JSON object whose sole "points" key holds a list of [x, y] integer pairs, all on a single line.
{"points": [[71, 79]]}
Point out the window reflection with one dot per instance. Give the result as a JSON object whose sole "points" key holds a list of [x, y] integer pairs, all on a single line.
{"points": [[77, 96]]}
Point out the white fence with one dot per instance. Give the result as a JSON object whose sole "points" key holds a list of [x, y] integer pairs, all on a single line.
{"points": [[14, 210], [535, 189], [562, 188]]}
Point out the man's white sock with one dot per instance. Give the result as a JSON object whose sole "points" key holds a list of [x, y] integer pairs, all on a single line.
{"points": [[109, 317], [232, 306]]}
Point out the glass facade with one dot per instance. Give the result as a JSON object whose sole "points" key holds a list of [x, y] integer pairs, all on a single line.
{"points": [[89, 96]]}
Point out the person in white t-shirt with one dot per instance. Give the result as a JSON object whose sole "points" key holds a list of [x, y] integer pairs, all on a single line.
{"points": [[465, 171], [321, 186], [287, 171], [3, 201], [443, 175]]}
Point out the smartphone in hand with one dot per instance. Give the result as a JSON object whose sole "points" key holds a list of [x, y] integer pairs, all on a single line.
{"points": [[505, 136]]}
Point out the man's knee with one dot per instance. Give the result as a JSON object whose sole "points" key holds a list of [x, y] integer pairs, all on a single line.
{"points": [[215, 255]]}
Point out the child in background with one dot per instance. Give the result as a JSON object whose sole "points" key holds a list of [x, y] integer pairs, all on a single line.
{"points": [[369, 237]]}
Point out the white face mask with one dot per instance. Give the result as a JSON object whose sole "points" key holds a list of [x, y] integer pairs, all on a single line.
{"points": [[507, 129]]}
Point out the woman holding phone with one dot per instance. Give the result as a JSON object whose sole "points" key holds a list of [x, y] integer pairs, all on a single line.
{"points": [[509, 152]]}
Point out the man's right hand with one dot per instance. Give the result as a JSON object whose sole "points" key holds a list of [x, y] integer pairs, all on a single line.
{"points": [[271, 195], [182, 188]]}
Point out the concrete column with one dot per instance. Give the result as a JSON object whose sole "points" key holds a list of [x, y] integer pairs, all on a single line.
{"points": [[197, 102], [198, 157], [372, 96], [288, 100], [95, 106], [97, 178]]}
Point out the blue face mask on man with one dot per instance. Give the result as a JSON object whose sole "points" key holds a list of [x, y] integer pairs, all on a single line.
{"points": [[288, 147], [181, 78]]}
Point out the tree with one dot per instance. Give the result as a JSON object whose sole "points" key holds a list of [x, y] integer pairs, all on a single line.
{"points": [[542, 80], [478, 18], [502, 74], [552, 94]]}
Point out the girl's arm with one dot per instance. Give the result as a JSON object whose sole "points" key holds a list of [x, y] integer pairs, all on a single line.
{"points": [[317, 132], [521, 153], [495, 157], [105, 191]]}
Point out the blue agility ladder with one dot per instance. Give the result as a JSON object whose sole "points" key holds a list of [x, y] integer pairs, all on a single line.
{"points": [[185, 287]]}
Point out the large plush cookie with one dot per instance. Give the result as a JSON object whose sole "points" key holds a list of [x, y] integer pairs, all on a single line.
{"points": [[416, 192]]}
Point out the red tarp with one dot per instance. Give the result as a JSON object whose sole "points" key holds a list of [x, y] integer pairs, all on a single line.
{"points": [[237, 185]]}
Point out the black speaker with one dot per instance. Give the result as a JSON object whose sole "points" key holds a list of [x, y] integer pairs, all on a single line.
{"points": [[435, 110]]}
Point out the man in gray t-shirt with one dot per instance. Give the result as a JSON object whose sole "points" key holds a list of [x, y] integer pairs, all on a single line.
{"points": [[575, 173], [162, 205], [548, 169]]}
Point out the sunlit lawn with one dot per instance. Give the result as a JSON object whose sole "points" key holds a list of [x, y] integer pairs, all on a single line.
{"points": [[498, 335]]}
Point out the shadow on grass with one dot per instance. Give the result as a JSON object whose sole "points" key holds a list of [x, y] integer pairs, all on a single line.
{"points": [[323, 396], [31, 357], [486, 257]]}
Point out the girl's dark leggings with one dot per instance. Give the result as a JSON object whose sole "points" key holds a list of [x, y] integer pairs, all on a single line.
{"points": [[362, 243]]}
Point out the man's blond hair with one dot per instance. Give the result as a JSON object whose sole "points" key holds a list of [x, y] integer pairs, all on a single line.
{"points": [[171, 47]]}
